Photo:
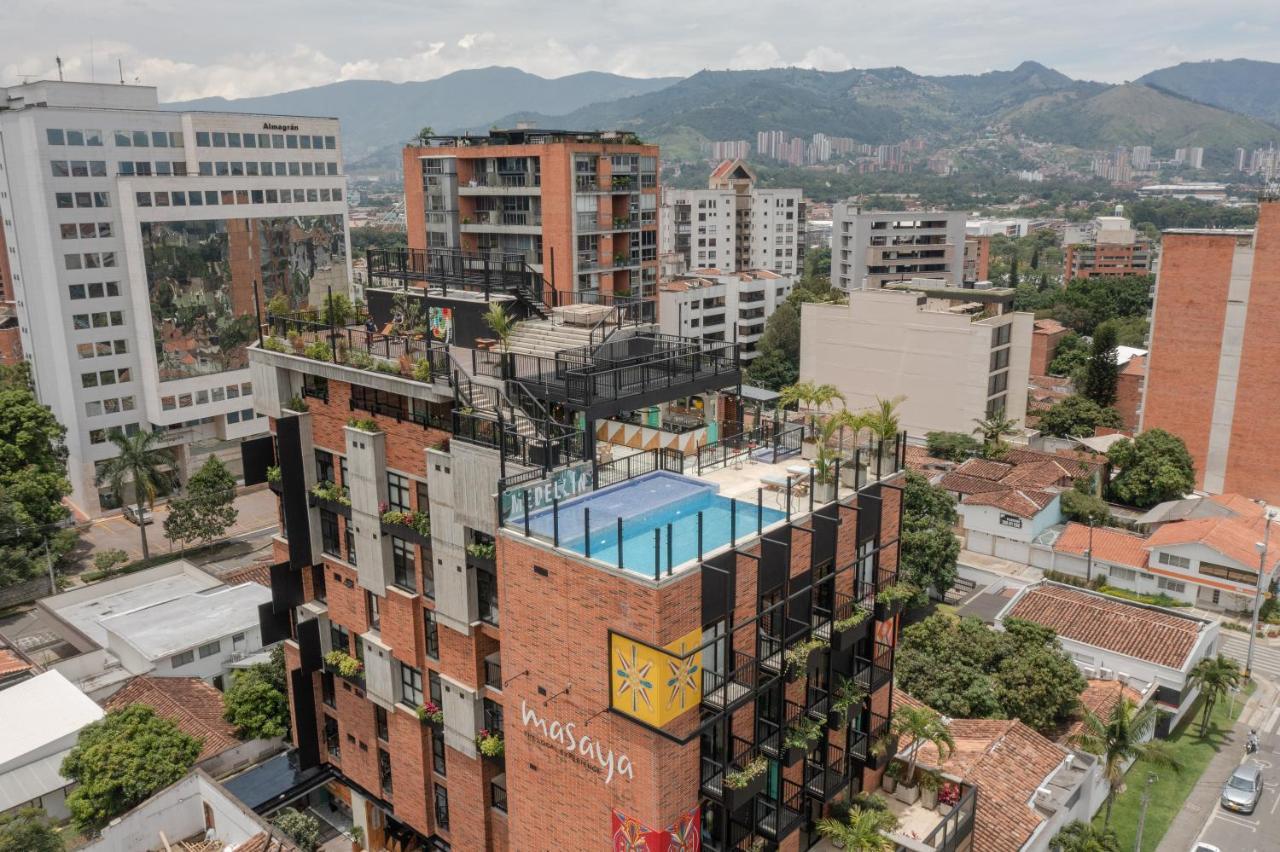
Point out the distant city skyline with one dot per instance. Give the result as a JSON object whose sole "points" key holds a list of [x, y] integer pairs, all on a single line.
{"points": [[190, 54]]}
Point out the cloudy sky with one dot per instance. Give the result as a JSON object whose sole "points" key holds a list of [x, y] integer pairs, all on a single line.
{"points": [[238, 48]]}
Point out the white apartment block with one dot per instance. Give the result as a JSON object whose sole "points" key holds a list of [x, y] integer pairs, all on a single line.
{"points": [[733, 224], [871, 249], [137, 238], [950, 355], [710, 306]]}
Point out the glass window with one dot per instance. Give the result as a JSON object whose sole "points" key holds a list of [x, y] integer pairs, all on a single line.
{"points": [[60, 168], [180, 660], [277, 140], [202, 138], [374, 605], [308, 169], [206, 168], [77, 291], [140, 139], [72, 261], [210, 649], [219, 139], [159, 139], [410, 685], [102, 199], [233, 140], [437, 750], [402, 559], [291, 141], [62, 200], [433, 634], [250, 140], [398, 492], [379, 714], [329, 533], [442, 806], [55, 136]]}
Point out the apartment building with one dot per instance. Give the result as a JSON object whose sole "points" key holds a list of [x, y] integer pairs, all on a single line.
{"points": [[1107, 247], [950, 355], [1211, 374], [734, 225], [977, 258], [137, 240], [716, 306], [872, 249], [580, 208], [504, 632]]}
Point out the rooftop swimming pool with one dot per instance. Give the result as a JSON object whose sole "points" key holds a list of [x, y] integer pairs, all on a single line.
{"points": [[659, 513]]}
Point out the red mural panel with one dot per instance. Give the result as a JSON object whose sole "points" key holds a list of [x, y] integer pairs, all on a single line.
{"points": [[631, 835]]}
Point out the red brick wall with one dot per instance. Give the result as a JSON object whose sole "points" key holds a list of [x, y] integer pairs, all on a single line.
{"points": [[1043, 346], [1251, 467], [406, 442], [410, 763], [1186, 339], [1129, 393], [415, 212]]}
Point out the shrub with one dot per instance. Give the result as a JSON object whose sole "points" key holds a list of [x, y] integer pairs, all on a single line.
{"points": [[740, 778], [344, 664], [274, 344], [482, 551], [296, 403], [329, 491], [490, 743], [273, 474], [364, 424], [318, 350], [422, 370]]}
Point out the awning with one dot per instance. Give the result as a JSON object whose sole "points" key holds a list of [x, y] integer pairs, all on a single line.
{"points": [[755, 394]]}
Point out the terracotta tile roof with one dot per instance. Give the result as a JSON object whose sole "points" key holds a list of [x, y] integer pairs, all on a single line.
{"points": [[1007, 762], [260, 574], [1233, 537], [1075, 463], [1238, 503], [193, 705], [985, 469], [1024, 504], [1049, 326], [919, 460], [1100, 696], [1109, 545], [1137, 366], [11, 663], [959, 482], [1145, 633]]}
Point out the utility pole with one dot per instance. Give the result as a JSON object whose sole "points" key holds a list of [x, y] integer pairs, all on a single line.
{"points": [[1088, 571], [1142, 815], [48, 563], [1257, 592]]}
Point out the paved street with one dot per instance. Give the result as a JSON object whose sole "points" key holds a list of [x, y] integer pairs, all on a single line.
{"points": [[257, 514], [1266, 657]]}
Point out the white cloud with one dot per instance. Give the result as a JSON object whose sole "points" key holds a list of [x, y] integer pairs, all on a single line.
{"points": [[762, 54], [824, 58]]}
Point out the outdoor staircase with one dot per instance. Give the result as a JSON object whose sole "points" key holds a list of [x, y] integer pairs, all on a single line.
{"points": [[545, 338]]}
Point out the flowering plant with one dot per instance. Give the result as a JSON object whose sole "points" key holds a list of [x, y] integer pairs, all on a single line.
{"points": [[949, 793], [489, 742], [431, 712]]}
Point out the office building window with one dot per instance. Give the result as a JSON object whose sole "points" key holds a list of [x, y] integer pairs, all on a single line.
{"points": [[402, 560], [398, 492], [433, 634], [410, 686], [442, 806]]}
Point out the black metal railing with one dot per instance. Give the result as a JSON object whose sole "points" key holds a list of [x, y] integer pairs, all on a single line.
{"points": [[764, 442], [638, 464], [493, 673], [723, 690], [956, 827], [778, 817], [827, 775]]}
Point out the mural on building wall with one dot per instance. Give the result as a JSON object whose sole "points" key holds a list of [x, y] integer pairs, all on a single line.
{"points": [[654, 686], [201, 274], [441, 323], [631, 835]]}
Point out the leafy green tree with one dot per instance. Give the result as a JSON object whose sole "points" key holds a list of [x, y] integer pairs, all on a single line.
{"points": [[962, 668], [1121, 738], [33, 481], [1213, 677], [208, 508], [1069, 356], [1154, 467], [1085, 508], [817, 263], [862, 830], [336, 308], [917, 726], [122, 759], [302, 828], [1100, 371], [1076, 417], [108, 561], [142, 465], [257, 700], [1013, 272], [929, 548], [1086, 302], [29, 830], [778, 364], [1083, 837], [1129, 331], [501, 323], [953, 446]]}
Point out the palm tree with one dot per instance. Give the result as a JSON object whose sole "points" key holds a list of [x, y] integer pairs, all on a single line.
{"points": [[809, 395], [994, 429], [882, 420], [862, 831], [920, 725], [140, 463], [424, 135], [1214, 678], [1083, 837], [500, 323], [1120, 739]]}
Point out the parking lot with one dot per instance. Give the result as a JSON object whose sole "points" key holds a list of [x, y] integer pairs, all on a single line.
{"points": [[1256, 832]]}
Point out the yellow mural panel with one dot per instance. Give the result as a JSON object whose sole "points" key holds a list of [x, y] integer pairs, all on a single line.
{"points": [[653, 685]]}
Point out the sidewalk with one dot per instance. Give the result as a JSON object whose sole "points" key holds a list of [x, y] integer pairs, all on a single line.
{"points": [[1204, 797]]}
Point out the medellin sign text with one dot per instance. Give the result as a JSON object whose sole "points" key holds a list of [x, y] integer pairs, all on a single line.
{"points": [[565, 484]]}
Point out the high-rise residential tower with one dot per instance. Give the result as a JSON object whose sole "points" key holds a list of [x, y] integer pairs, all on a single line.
{"points": [[136, 241], [873, 248]]}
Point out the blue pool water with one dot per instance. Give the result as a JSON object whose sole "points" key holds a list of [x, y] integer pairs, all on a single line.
{"points": [[650, 503]]}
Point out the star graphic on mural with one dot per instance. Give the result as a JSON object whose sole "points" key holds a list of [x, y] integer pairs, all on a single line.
{"points": [[630, 835], [683, 679], [634, 678]]}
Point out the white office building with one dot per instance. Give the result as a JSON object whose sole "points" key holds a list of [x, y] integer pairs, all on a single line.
{"points": [[872, 249], [710, 306], [137, 238], [733, 224]]}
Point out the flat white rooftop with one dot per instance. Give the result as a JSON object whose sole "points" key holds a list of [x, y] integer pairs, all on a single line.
{"points": [[87, 615], [170, 626], [39, 712]]}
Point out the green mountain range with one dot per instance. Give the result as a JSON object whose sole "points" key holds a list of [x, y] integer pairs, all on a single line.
{"points": [[1218, 105]]}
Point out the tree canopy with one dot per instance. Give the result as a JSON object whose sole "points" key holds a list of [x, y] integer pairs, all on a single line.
{"points": [[1098, 383], [207, 510], [1077, 416], [256, 702], [33, 480], [303, 828], [122, 759], [1069, 356], [1154, 467], [953, 446], [962, 668], [929, 548], [29, 830]]}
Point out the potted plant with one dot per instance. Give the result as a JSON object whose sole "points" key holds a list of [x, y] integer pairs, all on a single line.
{"points": [[929, 784], [741, 785], [948, 797], [892, 599], [800, 657], [430, 713], [489, 743], [848, 630], [892, 774], [357, 838], [344, 665], [920, 726], [273, 474], [799, 738], [847, 695], [880, 749], [824, 474]]}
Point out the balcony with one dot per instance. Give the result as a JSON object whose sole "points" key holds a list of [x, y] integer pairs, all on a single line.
{"points": [[495, 183], [871, 674], [826, 778], [776, 818], [502, 222], [493, 671], [724, 690], [927, 828]]}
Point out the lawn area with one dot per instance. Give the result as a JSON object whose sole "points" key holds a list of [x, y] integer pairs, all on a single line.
{"points": [[1170, 792]]}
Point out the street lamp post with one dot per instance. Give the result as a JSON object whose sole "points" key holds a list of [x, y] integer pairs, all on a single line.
{"points": [[1257, 591]]}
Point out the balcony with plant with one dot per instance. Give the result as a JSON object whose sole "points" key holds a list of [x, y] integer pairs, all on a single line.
{"points": [[330, 492], [430, 713], [490, 744], [344, 666], [893, 599], [803, 734], [412, 524], [803, 658]]}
